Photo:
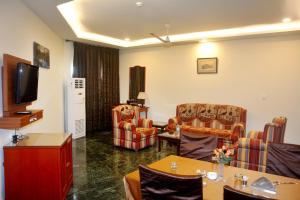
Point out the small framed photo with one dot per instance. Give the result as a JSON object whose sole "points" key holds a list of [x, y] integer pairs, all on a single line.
{"points": [[41, 57], [207, 65]]}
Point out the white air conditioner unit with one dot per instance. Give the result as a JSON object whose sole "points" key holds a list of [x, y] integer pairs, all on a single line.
{"points": [[76, 107]]}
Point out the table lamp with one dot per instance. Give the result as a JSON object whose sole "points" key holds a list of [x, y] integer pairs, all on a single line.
{"points": [[142, 96]]}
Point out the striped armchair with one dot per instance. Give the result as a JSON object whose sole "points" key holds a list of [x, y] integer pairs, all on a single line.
{"points": [[251, 152], [129, 131]]}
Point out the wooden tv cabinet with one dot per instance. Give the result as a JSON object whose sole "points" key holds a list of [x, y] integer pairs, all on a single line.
{"points": [[14, 121], [39, 167], [10, 119]]}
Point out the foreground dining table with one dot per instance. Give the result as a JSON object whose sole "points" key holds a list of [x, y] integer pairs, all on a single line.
{"points": [[214, 188]]}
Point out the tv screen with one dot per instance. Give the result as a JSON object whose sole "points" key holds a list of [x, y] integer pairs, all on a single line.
{"points": [[26, 85]]}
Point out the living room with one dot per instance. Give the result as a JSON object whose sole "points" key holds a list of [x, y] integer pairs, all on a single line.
{"points": [[258, 72]]}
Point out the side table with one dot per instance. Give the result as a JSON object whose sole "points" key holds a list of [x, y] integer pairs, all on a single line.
{"points": [[160, 125], [145, 110], [173, 138]]}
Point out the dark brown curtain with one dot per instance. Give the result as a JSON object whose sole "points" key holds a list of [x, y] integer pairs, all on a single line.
{"points": [[100, 67], [136, 81]]}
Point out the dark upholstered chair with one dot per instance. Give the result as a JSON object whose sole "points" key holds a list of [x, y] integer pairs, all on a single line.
{"points": [[197, 146], [160, 185], [284, 160], [233, 194]]}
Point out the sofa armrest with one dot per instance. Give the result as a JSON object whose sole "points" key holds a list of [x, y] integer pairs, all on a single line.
{"points": [[144, 123], [237, 132], [127, 126], [172, 124]]}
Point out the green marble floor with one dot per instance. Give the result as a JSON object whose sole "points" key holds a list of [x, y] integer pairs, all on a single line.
{"points": [[99, 167]]}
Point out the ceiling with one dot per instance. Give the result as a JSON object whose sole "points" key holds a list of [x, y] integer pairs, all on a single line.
{"points": [[120, 19]]}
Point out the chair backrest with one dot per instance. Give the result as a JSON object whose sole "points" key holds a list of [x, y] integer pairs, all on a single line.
{"points": [[160, 185], [283, 159], [281, 121], [274, 132], [233, 194], [124, 113], [197, 146]]}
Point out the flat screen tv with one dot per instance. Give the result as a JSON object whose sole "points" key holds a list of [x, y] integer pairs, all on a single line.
{"points": [[26, 84]]}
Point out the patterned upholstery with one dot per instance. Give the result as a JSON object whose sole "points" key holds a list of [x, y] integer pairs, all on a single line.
{"points": [[251, 152], [129, 131], [224, 121]]}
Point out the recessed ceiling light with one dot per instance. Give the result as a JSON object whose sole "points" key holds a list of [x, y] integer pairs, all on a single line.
{"points": [[139, 4], [127, 39], [285, 20]]}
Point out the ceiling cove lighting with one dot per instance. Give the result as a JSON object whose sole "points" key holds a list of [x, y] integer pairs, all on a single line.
{"points": [[286, 20], [71, 15]]}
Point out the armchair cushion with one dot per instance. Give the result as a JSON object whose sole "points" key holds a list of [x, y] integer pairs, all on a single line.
{"points": [[126, 126]]}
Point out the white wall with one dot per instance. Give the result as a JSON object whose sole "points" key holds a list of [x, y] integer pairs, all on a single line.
{"points": [[20, 27], [260, 74]]}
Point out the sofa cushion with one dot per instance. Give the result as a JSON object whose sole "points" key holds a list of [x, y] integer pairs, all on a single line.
{"points": [[209, 131], [228, 115], [207, 112], [187, 112]]}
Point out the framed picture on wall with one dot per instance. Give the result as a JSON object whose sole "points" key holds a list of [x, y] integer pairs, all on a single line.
{"points": [[41, 57], [207, 65]]}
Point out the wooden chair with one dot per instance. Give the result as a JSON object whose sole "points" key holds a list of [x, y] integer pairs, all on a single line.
{"points": [[160, 185], [197, 146], [283, 160], [233, 194]]}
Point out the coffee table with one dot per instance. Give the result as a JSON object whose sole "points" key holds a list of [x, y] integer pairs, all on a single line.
{"points": [[173, 138]]}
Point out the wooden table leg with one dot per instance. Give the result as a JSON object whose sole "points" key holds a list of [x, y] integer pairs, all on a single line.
{"points": [[178, 149], [159, 143]]}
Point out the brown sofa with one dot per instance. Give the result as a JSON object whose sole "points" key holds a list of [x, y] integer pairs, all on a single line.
{"points": [[226, 122]]}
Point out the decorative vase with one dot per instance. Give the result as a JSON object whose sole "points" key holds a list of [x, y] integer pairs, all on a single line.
{"points": [[221, 171]]}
